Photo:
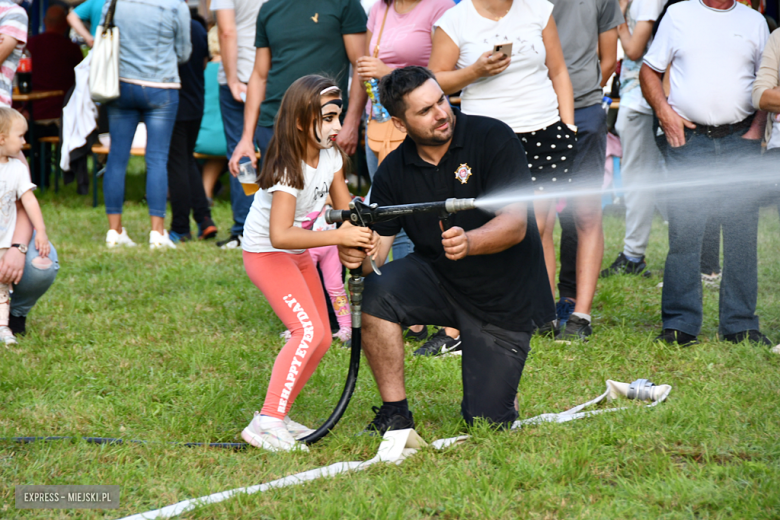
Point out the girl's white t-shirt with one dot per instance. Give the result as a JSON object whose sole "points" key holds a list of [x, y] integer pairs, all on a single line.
{"points": [[316, 186], [522, 96]]}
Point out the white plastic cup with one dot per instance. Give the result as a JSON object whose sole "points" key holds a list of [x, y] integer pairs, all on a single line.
{"points": [[247, 176]]}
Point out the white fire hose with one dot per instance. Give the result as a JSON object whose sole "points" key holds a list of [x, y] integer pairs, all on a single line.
{"points": [[397, 445]]}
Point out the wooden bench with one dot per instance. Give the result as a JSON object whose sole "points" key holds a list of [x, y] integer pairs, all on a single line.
{"points": [[99, 149], [140, 152]]}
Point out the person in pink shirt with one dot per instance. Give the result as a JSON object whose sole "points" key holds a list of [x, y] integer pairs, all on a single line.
{"points": [[406, 39]]}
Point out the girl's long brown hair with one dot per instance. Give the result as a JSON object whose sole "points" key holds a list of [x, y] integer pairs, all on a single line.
{"points": [[301, 104]]}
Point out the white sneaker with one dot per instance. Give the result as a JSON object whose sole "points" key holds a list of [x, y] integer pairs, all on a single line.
{"points": [[114, 239], [275, 438], [7, 337], [158, 241], [233, 242], [297, 430]]}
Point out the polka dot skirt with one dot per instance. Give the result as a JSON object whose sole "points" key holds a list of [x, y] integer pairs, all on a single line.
{"points": [[550, 153]]}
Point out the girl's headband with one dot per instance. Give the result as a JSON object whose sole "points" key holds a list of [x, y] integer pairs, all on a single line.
{"points": [[328, 90]]}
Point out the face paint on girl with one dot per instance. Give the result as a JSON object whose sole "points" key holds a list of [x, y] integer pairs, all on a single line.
{"points": [[326, 134]]}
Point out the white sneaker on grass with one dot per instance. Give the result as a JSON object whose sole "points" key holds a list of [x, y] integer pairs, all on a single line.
{"points": [[160, 241], [273, 437], [297, 430], [114, 239], [7, 337]]}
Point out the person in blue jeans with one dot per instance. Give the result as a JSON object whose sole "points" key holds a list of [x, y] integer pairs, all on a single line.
{"points": [[233, 121], [236, 22], [31, 275], [155, 40], [38, 275], [714, 134]]}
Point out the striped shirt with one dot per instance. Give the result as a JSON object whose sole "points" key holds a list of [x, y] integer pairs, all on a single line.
{"points": [[13, 23]]}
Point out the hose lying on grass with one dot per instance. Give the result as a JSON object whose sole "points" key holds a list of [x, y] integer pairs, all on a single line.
{"points": [[397, 445]]}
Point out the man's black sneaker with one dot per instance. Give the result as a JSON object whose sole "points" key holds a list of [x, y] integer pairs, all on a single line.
{"points": [[625, 266], [234, 242], [577, 329], [753, 336], [563, 310], [439, 344], [416, 336], [387, 419], [677, 336], [548, 330], [17, 325]]}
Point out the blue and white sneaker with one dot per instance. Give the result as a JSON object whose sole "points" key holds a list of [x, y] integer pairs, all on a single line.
{"points": [[563, 310], [179, 237]]}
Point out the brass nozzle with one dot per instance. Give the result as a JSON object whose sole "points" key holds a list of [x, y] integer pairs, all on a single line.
{"points": [[455, 205]]}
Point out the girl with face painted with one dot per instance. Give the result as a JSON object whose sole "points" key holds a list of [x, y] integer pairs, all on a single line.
{"points": [[303, 165]]}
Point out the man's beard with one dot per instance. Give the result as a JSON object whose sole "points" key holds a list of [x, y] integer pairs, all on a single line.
{"points": [[431, 139]]}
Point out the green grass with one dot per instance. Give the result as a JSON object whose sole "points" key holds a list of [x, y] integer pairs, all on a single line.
{"points": [[178, 346]]}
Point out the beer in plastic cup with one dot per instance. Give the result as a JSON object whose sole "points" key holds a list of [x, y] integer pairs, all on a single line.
{"points": [[247, 176]]}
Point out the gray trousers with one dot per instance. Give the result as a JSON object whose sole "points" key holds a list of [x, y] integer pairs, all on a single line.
{"points": [[642, 164]]}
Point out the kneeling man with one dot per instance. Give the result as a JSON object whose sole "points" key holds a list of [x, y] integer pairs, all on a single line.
{"points": [[485, 276]]}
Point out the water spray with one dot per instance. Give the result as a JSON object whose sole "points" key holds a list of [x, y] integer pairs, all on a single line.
{"points": [[695, 180]]}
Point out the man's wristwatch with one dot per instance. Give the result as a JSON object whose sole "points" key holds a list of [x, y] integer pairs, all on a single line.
{"points": [[22, 248]]}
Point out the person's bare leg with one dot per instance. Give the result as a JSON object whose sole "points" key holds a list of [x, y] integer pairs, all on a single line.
{"points": [[590, 249], [548, 230], [453, 333], [158, 224], [383, 345], [115, 222], [416, 328], [212, 169], [544, 210]]}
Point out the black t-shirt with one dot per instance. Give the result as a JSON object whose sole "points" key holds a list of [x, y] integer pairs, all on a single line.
{"points": [[193, 90], [509, 289]]}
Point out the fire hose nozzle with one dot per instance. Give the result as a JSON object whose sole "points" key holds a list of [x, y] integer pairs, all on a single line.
{"points": [[336, 216], [455, 205], [362, 214]]}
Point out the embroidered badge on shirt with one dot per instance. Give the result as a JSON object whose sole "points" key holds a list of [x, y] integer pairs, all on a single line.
{"points": [[315, 17], [463, 173]]}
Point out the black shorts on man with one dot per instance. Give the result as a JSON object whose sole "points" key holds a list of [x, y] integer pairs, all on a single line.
{"points": [[408, 292]]}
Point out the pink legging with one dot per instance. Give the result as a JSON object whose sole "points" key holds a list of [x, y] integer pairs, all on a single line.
{"points": [[292, 286], [327, 257]]}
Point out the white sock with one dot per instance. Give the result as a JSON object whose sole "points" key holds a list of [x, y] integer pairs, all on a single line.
{"points": [[267, 422], [581, 316]]}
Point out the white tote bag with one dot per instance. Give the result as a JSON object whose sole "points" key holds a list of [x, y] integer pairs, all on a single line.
{"points": [[104, 71]]}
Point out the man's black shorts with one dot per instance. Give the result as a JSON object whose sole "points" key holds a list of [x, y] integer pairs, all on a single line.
{"points": [[409, 293]]}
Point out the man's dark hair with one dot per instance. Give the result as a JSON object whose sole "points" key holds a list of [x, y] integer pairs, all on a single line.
{"points": [[399, 83]]}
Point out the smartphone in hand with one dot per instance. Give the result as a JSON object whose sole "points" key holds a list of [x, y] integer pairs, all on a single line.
{"points": [[503, 48]]}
